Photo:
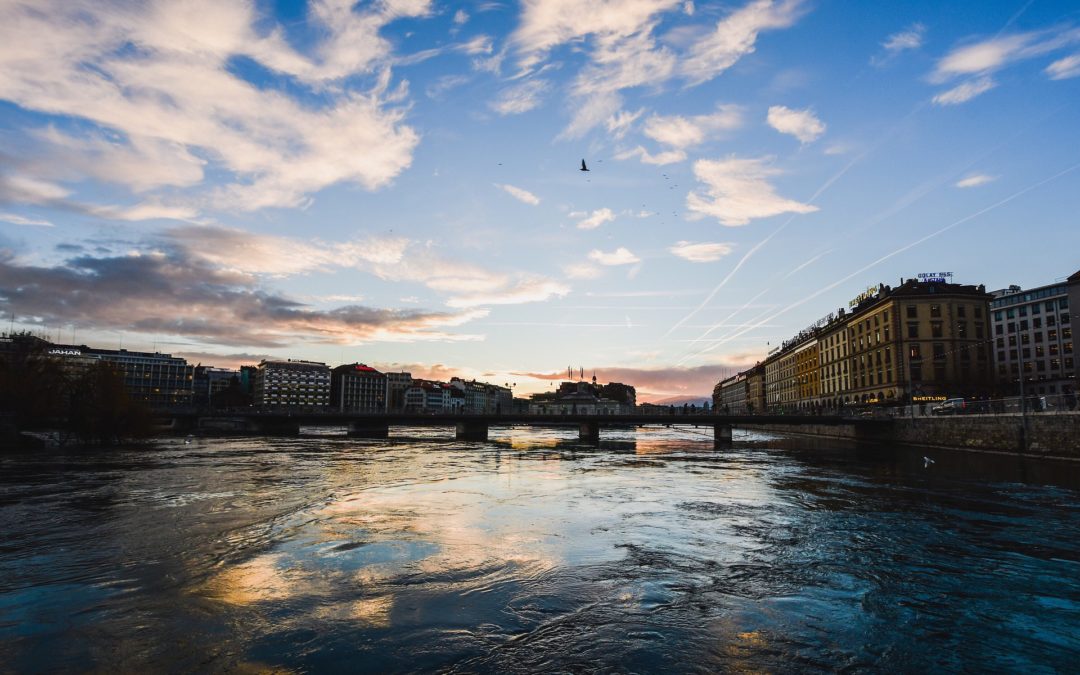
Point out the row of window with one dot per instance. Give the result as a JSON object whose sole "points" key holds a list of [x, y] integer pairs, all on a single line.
{"points": [[1040, 366], [1027, 298]]}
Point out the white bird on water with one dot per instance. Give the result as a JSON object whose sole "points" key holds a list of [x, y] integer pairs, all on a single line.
{"points": [[926, 462]]}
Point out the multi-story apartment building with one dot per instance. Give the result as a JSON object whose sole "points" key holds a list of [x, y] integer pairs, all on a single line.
{"points": [[926, 339], [357, 387], [923, 339], [1033, 339], [159, 380], [729, 397], [833, 361], [292, 384], [396, 384], [210, 382], [807, 377], [755, 389]]}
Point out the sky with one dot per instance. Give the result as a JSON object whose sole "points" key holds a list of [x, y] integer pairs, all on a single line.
{"points": [[398, 183]]}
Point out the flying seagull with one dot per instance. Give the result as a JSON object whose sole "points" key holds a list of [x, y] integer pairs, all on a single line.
{"points": [[583, 167], [926, 462]]}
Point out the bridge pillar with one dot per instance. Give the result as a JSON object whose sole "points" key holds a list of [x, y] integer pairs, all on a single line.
{"points": [[721, 436], [472, 431], [589, 432], [367, 429]]}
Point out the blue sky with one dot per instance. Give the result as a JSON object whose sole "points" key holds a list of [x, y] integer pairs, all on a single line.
{"points": [[397, 182]]}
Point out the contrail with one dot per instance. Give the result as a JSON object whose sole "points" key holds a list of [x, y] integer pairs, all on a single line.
{"points": [[885, 257]]}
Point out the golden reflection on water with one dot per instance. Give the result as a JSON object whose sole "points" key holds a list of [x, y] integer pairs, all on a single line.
{"points": [[257, 580]]}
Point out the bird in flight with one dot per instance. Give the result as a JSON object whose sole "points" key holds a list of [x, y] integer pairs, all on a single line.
{"points": [[583, 167]]}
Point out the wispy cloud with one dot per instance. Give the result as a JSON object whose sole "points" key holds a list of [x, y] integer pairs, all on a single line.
{"points": [[620, 256], [536, 289], [736, 36], [520, 98], [159, 107], [395, 259], [964, 92], [974, 180], [683, 132], [16, 219], [802, 124], [679, 133], [582, 271], [910, 38], [702, 252], [978, 61], [1065, 68], [596, 219], [737, 191], [519, 194]]}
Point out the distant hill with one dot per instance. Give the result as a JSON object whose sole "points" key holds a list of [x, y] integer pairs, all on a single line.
{"points": [[689, 400]]}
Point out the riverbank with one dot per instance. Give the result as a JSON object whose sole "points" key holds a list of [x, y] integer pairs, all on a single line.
{"points": [[1055, 436]]}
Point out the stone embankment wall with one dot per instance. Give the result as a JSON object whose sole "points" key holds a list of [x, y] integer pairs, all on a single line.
{"points": [[1047, 435]]}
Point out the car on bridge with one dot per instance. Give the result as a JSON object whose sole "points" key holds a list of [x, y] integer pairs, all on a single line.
{"points": [[950, 406]]}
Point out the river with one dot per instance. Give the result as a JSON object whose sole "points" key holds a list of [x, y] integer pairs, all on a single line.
{"points": [[531, 552]]}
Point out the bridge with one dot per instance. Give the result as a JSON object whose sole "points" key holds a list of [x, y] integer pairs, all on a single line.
{"points": [[474, 426]]}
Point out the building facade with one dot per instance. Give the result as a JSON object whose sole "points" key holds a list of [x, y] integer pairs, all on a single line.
{"points": [[1033, 339], [357, 387], [292, 384]]}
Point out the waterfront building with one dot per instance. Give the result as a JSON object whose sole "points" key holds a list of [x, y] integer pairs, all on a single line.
{"points": [[835, 381], [1033, 339], [357, 387], [292, 384], [482, 397], [159, 380], [210, 383], [732, 399], [431, 396], [755, 389], [924, 340], [396, 384], [807, 381], [1074, 301], [576, 398]]}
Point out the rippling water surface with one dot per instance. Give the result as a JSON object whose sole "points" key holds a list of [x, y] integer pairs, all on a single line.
{"points": [[532, 552]]}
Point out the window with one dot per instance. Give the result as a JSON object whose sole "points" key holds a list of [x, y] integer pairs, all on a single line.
{"points": [[978, 312], [1049, 305], [1024, 325], [939, 351], [961, 329], [1025, 338], [916, 372], [1036, 322], [997, 315], [1010, 314], [1001, 357], [1035, 309], [914, 352], [1039, 351], [939, 372], [1012, 340], [1038, 337], [999, 329], [1063, 303], [1051, 320], [1064, 318], [935, 311], [1027, 352], [1023, 310], [913, 330], [961, 311], [978, 331], [1054, 349], [935, 329], [912, 312]]}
